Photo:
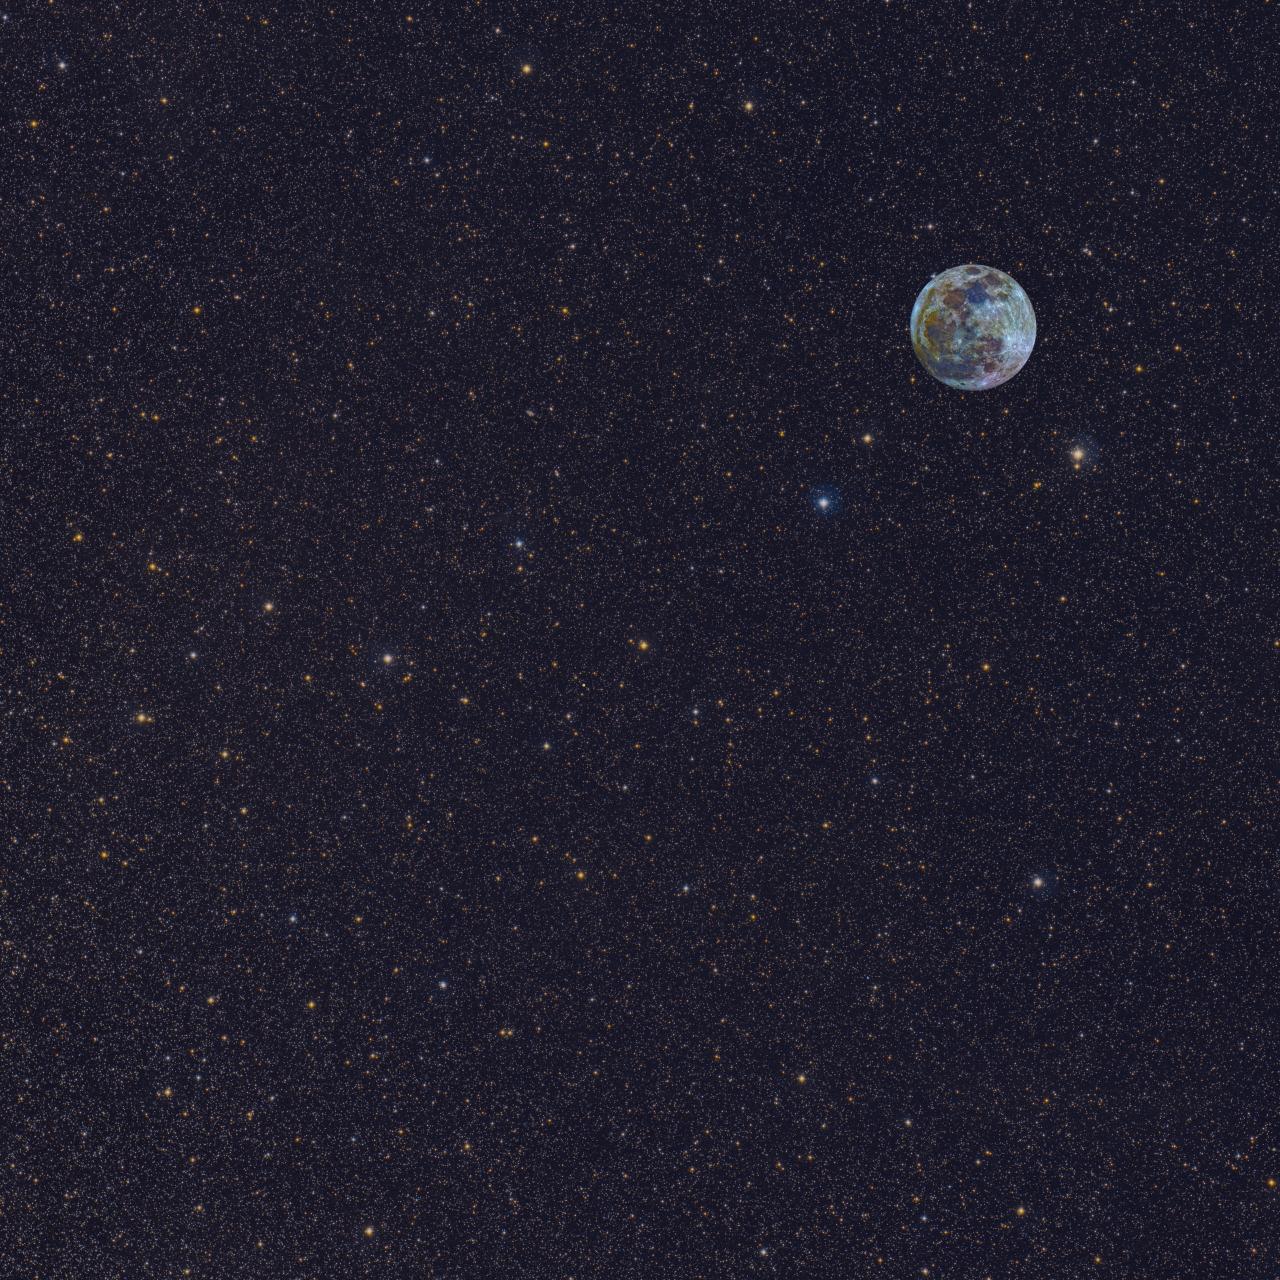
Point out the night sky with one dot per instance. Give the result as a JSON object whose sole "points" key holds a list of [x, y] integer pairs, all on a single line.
{"points": [[539, 742]]}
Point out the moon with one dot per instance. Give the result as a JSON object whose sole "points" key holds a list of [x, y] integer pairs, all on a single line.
{"points": [[972, 327]]}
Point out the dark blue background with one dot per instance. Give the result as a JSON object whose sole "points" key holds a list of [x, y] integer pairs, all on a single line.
{"points": [[687, 847]]}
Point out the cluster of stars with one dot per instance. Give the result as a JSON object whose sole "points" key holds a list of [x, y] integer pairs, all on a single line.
{"points": [[621, 293]]}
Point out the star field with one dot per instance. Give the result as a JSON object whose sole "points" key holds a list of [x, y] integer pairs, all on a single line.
{"points": [[539, 742]]}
